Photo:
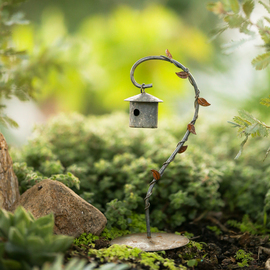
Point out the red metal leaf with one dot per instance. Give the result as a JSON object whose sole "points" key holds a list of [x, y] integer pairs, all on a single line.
{"points": [[191, 128], [168, 53], [203, 102], [182, 74], [183, 149], [156, 174]]}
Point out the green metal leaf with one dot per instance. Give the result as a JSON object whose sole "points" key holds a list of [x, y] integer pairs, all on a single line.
{"points": [[261, 61], [248, 7], [234, 6]]}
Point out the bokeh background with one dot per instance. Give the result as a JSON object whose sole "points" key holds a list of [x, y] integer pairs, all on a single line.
{"points": [[89, 47]]}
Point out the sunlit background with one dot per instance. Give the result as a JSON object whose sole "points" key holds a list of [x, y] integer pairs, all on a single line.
{"points": [[89, 48]]}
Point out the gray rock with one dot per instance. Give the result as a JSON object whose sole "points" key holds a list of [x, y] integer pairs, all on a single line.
{"points": [[9, 190], [73, 215]]}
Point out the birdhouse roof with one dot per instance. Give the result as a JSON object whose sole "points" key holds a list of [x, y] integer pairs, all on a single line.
{"points": [[144, 97]]}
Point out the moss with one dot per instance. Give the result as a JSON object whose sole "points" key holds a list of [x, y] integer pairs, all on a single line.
{"points": [[135, 256]]}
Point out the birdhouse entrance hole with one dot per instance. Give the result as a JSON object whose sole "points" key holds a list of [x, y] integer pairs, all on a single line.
{"points": [[136, 112]]}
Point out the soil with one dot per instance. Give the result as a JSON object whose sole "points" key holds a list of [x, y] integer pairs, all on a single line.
{"points": [[218, 251]]}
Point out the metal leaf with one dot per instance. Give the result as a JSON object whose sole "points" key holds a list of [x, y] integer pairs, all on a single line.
{"points": [[203, 102], [168, 53], [191, 128], [156, 174], [183, 149], [182, 74]]}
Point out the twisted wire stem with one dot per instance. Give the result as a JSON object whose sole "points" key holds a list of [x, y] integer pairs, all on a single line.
{"points": [[184, 139]]}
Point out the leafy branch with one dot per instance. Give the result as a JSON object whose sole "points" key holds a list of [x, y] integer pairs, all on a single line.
{"points": [[18, 69], [247, 126], [236, 14]]}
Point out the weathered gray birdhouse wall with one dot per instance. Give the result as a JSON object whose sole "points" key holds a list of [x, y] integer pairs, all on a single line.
{"points": [[143, 111], [143, 115]]}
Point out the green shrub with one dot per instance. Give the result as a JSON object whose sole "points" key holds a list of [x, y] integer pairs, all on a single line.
{"points": [[113, 164], [26, 242]]}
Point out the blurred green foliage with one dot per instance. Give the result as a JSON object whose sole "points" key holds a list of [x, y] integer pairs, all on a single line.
{"points": [[94, 62], [12, 81], [238, 15], [113, 165], [75, 12]]}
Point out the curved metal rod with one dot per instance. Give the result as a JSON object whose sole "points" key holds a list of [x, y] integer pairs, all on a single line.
{"points": [[185, 138], [161, 57]]}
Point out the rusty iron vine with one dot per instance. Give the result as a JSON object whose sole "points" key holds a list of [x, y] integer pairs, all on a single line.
{"points": [[190, 127]]}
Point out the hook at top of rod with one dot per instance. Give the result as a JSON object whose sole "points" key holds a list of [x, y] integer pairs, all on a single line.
{"points": [[161, 57]]}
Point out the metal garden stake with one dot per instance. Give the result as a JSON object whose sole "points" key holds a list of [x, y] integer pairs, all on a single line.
{"points": [[144, 114]]}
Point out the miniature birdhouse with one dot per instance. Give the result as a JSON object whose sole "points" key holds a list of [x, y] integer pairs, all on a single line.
{"points": [[143, 111]]}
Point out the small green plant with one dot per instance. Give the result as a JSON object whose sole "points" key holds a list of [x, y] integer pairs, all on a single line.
{"points": [[114, 232], [248, 226], [193, 253], [215, 229], [245, 257], [86, 240], [135, 256], [28, 177], [26, 242], [186, 234], [197, 245], [237, 14]]}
